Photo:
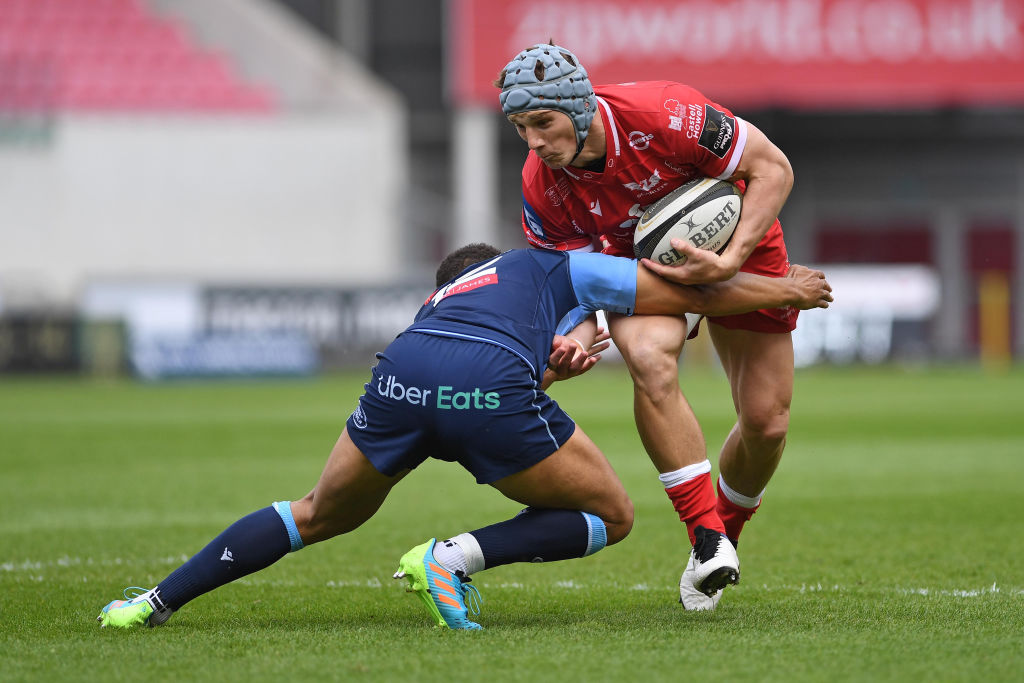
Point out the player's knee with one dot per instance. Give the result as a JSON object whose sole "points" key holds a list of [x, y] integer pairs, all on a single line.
{"points": [[655, 370], [766, 425], [313, 524], [618, 522]]}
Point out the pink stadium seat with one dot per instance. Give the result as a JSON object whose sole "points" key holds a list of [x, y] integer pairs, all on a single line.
{"points": [[112, 55]]}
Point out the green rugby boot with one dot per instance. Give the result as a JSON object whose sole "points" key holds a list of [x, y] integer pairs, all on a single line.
{"points": [[140, 607], [444, 593]]}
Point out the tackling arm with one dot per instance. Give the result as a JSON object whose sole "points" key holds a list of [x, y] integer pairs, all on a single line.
{"points": [[802, 288], [622, 285]]}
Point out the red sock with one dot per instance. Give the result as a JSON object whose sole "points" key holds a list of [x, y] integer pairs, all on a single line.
{"points": [[694, 500], [733, 516]]}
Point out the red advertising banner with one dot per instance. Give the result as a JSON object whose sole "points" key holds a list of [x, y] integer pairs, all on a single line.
{"points": [[808, 54]]}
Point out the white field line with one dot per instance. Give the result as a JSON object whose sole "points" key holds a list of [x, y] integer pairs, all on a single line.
{"points": [[35, 570], [66, 561]]}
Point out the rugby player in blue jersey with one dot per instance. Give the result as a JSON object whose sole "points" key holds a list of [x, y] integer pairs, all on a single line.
{"points": [[465, 382]]}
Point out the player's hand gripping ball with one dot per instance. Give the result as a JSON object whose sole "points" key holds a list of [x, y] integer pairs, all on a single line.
{"points": [[704, 212]]}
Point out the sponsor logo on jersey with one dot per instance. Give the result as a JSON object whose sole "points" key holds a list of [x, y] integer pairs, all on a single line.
{"points": [[673, 106], [640, 140], [635, 212], [595, 207], [717, 133], [532, 220], [359, 418], [481, 276], [557, 193], [689, 116], [463, 285], [488, 278], [444, 396], [694, 120], [388, 386], [675, 113], [645, 186], [681, 169]]}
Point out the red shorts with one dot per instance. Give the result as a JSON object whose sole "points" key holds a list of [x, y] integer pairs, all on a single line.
{"points": [[768, 258]]}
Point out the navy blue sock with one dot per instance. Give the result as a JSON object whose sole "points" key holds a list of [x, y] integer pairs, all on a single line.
{"points": [[252, 543], [541, 535]]}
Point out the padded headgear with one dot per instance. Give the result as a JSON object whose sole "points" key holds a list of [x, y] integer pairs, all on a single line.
{"points": [[564, 86]]}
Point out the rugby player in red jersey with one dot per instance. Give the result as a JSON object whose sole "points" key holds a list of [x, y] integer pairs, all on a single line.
{"points": [[600, 155]]}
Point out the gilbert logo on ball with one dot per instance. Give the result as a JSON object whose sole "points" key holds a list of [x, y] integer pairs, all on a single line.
{"points": [[704, 211]]}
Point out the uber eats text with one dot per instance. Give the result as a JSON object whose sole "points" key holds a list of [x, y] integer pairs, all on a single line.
{"points": [[444, 397]]}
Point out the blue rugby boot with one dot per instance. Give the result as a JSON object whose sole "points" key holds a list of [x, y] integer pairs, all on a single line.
{"points": [[444, 593]]}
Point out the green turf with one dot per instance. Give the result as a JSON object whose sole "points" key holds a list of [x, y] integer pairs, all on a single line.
{"points": [[889, 546]]}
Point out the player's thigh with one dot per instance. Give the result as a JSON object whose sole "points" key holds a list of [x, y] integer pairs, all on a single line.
{"points": [[350, 490], [648, 342], [759, 366], [575, 477]]}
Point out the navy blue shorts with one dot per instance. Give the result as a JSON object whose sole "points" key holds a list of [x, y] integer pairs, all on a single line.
{"points": [[458, 400]]}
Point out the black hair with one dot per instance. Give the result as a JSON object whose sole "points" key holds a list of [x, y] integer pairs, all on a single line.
{"points": [[463, 257]]}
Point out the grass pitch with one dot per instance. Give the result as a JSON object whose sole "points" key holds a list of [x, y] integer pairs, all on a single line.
{"points": [[889, 546]]}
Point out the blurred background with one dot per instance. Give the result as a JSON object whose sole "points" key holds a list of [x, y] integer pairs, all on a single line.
{"points": [[264, 187]]}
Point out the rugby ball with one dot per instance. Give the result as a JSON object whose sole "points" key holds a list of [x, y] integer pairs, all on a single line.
{"points": [[703, 211]]}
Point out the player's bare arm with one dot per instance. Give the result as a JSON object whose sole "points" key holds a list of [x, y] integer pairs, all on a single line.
{"points": [[769, 179], [589, 332], [802, 288], [571, 357]]}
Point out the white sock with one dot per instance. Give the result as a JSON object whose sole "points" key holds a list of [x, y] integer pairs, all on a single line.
{"points": [[684, 474], [749, 502], [460, 554]]}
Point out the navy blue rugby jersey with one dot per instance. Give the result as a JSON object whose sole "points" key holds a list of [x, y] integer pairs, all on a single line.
{"points": [[517, 300]]}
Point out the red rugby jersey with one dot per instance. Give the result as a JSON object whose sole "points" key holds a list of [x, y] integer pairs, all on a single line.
{"points": [[659, 135]]}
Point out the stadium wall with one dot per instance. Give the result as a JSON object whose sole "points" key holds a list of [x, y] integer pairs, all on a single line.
{"points": [[276, 199], [919, 188], [298, 195]]}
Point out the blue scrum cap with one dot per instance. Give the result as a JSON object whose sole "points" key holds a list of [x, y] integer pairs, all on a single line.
{"points": [[550, 77]]}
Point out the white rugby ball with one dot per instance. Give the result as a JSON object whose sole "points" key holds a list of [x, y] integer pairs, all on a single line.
{"points": [[704, 211]]}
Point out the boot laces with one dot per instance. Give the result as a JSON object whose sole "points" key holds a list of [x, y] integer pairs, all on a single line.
{"points": [[470, 594]]}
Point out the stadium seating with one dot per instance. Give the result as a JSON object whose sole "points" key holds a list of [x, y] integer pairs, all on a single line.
{"points": [[112, 55]]}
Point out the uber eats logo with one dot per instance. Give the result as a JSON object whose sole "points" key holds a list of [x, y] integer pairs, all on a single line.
{"points": [[444, 397], [447, 399]]}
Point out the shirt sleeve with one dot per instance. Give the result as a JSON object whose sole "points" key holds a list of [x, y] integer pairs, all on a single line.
{"points": [[704, 133], [573, 318], [603, 282]]}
